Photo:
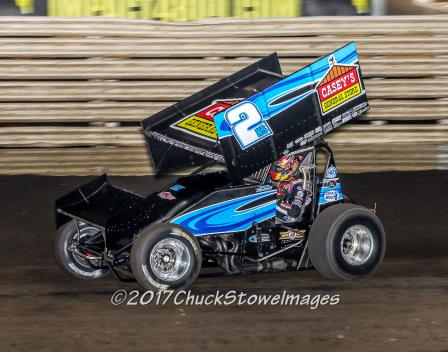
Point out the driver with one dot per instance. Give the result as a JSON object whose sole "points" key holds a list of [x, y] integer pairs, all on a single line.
{"points": [[291, 194]]}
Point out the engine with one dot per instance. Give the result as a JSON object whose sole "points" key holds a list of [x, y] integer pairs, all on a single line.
{"points": [[271, 249]]}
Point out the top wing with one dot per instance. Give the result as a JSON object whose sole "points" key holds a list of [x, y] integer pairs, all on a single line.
{"points": [[292, 113], [184, 134]]}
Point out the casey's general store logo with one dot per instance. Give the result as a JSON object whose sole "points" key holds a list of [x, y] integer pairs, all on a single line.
{"points": [[340, 85], [201, 123]]}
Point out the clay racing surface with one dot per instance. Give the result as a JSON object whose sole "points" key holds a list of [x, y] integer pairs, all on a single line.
{"points": [[404, 307]]}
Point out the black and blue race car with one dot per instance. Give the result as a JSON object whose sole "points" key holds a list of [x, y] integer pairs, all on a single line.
{"points": [[226, 211]]}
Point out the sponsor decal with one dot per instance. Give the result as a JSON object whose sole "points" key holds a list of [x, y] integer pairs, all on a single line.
{"points": [[291, 235], [332, 172], [340, 85], [263, 188], [328, 127], [331, 184], [331, 196], [265, 237], [166, 195], [201, 123], [177, 187]]}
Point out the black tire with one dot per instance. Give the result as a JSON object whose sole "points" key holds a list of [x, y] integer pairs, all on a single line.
{"points": [[149, 268], [69, 262], [331, 246]]}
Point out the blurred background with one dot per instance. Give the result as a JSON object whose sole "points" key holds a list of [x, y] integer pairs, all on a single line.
{"points": [[187, 10], [77, 76]]}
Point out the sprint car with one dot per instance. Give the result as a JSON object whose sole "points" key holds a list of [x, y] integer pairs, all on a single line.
{"points": [[225, 211]]}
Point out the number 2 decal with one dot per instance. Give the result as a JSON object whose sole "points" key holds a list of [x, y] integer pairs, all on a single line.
{"points": [[247, 124]]}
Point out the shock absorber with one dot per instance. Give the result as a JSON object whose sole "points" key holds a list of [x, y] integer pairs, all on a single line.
{"points": [[259, 239]]}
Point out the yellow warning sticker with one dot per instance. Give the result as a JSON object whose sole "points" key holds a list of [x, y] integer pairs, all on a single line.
{"points": [[199, 125]]}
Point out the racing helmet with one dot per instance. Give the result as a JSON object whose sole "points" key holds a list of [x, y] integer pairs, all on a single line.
{"points": [[284, 169]]}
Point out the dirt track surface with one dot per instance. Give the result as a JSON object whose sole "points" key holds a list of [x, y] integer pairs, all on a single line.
{"points": [[404, 307]]}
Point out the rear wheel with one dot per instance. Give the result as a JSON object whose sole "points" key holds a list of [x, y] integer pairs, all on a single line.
{"points": [[71, 251], [165, 257], [347, 241]]}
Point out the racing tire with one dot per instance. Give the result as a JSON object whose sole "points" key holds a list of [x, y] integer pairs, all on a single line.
{"points": [[165, 257], [346, 241], [71, 263]]}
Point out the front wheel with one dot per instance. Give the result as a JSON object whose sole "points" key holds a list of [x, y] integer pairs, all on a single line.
{"points": [[346, 241], [165, 257]]}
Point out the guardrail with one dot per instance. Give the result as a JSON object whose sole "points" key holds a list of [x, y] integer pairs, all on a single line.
{"points": [[72, 91]]}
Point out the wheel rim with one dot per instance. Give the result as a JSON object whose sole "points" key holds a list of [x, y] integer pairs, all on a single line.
{"points": [[78, 264], [357, 245], [170, 259], [85, 233]]}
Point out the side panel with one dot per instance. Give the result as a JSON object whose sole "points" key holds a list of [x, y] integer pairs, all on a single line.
{"points": [[184, 134], [161, 206], [293, 112], [231, 210]]}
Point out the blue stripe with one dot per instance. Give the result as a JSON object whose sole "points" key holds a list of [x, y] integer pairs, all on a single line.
{"points": [[227, 216]]}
